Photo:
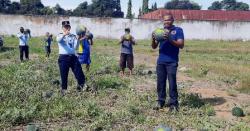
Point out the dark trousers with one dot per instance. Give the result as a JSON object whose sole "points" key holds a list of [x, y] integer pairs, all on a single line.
{"points": [[47, 50], [24, 50], [65, 63], [167, 71]]}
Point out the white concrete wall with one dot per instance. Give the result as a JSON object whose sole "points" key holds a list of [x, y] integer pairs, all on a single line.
{"points": [[114, 28]]}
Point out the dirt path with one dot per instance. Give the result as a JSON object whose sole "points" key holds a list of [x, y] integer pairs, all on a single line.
{"points": [[217, 95]]}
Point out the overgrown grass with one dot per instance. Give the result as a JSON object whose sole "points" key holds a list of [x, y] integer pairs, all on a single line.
{"points": [[29, 91]]}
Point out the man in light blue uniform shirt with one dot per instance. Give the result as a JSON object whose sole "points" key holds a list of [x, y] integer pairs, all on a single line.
{"points": [[23, 43], [167, 63], [68, 43]]}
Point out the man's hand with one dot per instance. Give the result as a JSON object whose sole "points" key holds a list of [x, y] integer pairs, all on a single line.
{"points": [[153, 36], [154, 42], [167, 34]]}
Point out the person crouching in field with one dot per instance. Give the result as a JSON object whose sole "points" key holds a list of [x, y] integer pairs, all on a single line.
{"points": [[24, 36], [84, 50], [48, 41], [126, 58], [167, 63], [68, 44]]}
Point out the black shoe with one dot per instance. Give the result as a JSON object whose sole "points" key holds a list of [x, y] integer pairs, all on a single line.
{"points": [[79, 88], [82, 88], [158, 106], [168, 104], [173, 109]]}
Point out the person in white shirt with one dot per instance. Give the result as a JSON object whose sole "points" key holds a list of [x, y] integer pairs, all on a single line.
{"points": [[68, 44], [23, 43]]}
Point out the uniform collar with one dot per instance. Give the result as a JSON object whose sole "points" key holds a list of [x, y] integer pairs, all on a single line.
{"points": [[170, 28]]}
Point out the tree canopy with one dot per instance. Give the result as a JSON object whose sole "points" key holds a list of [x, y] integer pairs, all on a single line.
{"points": [[229, 5], [182, 4]]}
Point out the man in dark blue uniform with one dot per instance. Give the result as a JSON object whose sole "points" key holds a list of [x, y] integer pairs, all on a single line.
{"points": [[167, 63], [48, 41], [68, 44]]}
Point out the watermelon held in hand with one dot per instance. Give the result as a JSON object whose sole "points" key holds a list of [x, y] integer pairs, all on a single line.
{"points": [[80, 29], [160, 34], [127, 37], [27, 31], [238, 112]]}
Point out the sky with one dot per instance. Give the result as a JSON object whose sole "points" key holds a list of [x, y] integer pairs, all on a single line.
{"points": [[68, 4]]}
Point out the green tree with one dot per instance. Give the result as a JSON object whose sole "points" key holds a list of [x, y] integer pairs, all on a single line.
{"points": [[58, 10], [229, 5], [46, 11], [81, 10], [4, 5], [140, 12], [118, 13], [155, 6], [145, 8], [215, 6], [105, 8], [182, 4], [118, 5], [241, 6], [31, 7], [129, 13], [14, 8]]}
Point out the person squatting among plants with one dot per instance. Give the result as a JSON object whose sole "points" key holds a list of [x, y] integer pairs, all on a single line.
{"points": [[47, 43], [85, 42], [127, 58], [167, 62], [24, 36], [68, 44]]}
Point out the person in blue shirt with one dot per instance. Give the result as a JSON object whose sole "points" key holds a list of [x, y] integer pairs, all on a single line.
{"points": [[68, 44], [167, 63], [48, 41], [24, 37], [127, 58], [84, 50]]}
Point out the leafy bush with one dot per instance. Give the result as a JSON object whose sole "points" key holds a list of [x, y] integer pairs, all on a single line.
{"points": [[108, 81], [192, 100]]}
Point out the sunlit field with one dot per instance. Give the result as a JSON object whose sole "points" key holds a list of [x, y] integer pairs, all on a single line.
{"points": [[213, 77]]}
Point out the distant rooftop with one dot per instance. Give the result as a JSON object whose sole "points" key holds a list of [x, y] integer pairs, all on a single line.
{"points": [[203, 15]]}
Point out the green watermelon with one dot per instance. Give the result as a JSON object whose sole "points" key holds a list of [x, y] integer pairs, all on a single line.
{"points": [[27, 31], [163, 128], [236, 111], [127, 37], [80, 29], [159, 34]]}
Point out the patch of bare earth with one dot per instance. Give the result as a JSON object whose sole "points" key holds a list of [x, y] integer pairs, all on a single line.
{"points": [[215, 94]]}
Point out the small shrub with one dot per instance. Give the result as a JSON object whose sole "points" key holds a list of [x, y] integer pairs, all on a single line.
{"points": [[108, 81], [209, 110], [93, 110], [204, 70], [192, 100]]}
